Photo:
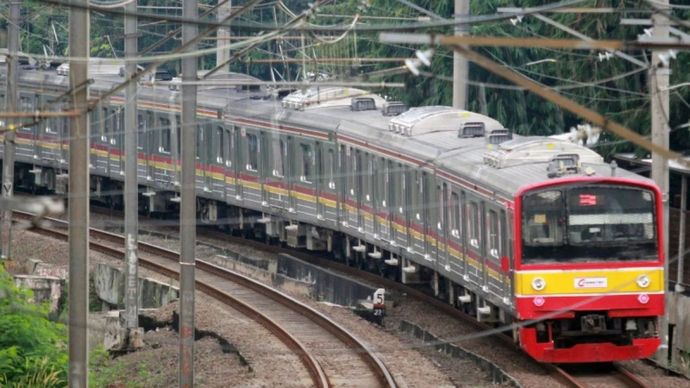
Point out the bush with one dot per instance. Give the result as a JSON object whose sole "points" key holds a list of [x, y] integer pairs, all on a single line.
{"points": [[33, 349]]}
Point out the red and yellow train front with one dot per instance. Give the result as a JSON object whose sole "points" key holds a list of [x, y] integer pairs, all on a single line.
{"points": [[589, 281]]}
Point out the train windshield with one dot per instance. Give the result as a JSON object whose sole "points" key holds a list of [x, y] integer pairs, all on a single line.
{"points": [[588, 223]]}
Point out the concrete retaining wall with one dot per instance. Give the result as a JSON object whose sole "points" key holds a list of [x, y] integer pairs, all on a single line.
{"points": [[325, 285], [109, 283], [45, 288]]}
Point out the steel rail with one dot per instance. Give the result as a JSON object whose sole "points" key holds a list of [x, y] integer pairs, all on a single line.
{"points": [[381, 372], [576, 380], [314, 369]]}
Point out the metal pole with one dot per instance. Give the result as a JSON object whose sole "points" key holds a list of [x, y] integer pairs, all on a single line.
{"points": [[460, 65], [223, 35], [659, 80], [11, 106], [681, 233], [131, 186], [78, 197], [188, 201]]}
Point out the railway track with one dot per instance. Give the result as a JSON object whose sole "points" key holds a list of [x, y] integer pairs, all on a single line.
{"points": [[332, 355], [597, 375], [613, 375]]}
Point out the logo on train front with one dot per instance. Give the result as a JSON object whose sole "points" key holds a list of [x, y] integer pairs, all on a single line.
{"points": [[591, 283]]}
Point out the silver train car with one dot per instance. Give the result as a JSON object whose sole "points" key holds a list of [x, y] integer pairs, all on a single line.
{"points": [[529, 230]]}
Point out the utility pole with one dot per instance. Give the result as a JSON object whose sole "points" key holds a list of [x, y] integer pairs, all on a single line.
{"points": [[134, 333], [188, 201], [223, 35], [658, 88], [11, 106], [461, 66], [78, 196]]}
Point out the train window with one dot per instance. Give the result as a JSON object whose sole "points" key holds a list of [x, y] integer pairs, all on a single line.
{"points": [[252, 152], [454, 218], [200, 140], [330, 165], [307, 173], [400, 200], [218, 143], [164, 127], [473, 224], [442, 193], [418, 196], [495, 237]]}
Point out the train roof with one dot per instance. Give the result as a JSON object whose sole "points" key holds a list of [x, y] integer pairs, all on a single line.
{"points": [[458, 142]]}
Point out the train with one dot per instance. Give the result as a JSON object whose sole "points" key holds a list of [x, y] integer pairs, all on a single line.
{"points": [[535, 234]]}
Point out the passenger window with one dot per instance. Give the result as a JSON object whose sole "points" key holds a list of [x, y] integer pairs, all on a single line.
{"points": [[454, 219], [220, 140], [200, 140], [331, 169], [494, 235], [252, 152], [473, 224], [442, 201]]}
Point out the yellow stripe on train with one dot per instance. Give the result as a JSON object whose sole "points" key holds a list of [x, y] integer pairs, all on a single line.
{"points": [[621, 280]]}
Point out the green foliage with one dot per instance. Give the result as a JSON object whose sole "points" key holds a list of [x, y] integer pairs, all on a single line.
{"points": [[609, 86], [32, 348], [578, 74]]}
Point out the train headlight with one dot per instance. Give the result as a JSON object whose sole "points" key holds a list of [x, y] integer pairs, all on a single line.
{"points": [[643, 281], [538, 284]]}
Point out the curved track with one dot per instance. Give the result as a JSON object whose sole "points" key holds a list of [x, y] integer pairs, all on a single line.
{"points": [[598, 375], [331, 355]]}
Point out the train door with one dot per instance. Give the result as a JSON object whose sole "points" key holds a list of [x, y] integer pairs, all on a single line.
{"points": [[367, 198], [400, 195], [217, 162], [175, 134], [231, 158], [141, 146], [201, 157], [328, 200], [431, 216], [417, 229], [352, 172], [305, 182], [382, 201], [115, 142], [454, 246], [276, 183], [249, 175], [50, 142], [495, 250], [99, 145], [474, 240], [441, 226], [26, 136], [165, 171], [142, 141]]}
